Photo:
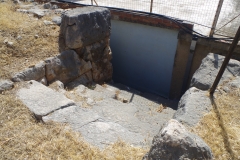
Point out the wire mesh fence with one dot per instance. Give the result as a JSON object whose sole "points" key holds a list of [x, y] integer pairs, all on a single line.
{"points": [[229, 18], [199, 12]]}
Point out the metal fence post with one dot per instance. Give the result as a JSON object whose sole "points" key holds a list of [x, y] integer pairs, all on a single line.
{"points": [[151, 6], [216, 17], [96, 2], [225, 62], [92, 2]]}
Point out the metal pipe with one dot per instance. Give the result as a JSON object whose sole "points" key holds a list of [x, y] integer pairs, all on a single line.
{"points": [[95, 2], [92, 2], [216, 17], [225, 62], [151, 6]]}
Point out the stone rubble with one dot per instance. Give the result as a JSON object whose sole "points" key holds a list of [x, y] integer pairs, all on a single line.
{"points": [[47, 5], [47, 22], [39, 13], [57, 20], [39, 10], [5, 85]]}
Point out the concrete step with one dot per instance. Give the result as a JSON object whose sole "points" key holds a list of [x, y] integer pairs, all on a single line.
{"points": [[94, 128], [145, 120], [98, 112]]}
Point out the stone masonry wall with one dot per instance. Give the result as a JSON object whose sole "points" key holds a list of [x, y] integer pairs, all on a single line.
{"points": [[87, 31]]}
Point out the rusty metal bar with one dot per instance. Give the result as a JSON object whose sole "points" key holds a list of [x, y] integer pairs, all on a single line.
{"points": [[95, 2], [151, 6], [220, 3], [225, 62]]}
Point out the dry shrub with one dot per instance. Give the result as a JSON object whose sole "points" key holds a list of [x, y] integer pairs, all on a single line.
{"points": [[32, 39], [221, 132]]}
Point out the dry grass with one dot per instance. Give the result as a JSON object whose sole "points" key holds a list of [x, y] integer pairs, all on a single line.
{"points": [[229, 109], [210, 131], [221, 127], [21, 137], [160, 108], [21, 29]]}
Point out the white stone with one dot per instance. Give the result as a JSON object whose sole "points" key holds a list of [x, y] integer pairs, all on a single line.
{"points": [[47, 22], [43, 81], [57, 20]]}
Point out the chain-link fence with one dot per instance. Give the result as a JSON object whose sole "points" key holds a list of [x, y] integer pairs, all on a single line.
{"points": [[199, 12]]}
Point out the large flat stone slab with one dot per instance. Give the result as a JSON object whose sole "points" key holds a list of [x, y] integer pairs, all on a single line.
{"points": [[76, 116], [119, 112], [98, 94], [192, 107], [139, 114], [142, 119], [42, 100], [102, 133], [205, 75], [105, 121], [96, 130]]}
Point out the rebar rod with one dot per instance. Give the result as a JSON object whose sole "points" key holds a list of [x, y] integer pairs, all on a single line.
{"points": [[225, 62]]}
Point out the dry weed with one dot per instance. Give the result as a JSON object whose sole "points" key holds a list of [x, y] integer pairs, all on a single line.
{"points": [[160, 108], [117, 92], [221, 132], [210, 131], [32, 40], [229, 108]]}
